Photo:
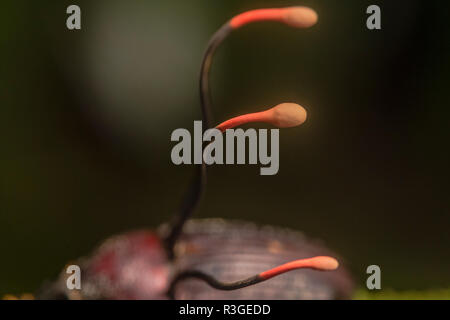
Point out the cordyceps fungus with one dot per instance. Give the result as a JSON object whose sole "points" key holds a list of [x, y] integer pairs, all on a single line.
{"points": [[297, 17], [167, 263], [316, 263], [284, 115]]}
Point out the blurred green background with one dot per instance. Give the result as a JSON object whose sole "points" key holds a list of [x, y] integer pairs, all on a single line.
{"points": [[86, 118]]}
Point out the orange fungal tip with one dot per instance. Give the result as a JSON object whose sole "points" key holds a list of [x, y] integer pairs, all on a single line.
{"points": [[287, 115], [325, 263], [300, 17]]}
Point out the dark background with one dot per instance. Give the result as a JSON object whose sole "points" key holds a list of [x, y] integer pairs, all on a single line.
{"points": [[86, 118]]}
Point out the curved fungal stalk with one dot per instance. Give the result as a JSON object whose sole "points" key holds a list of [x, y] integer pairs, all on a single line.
{"points": [[297, 17], [320, 263]]}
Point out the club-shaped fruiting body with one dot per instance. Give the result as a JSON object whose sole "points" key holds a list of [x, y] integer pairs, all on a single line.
{"points": [[284, 115]]}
